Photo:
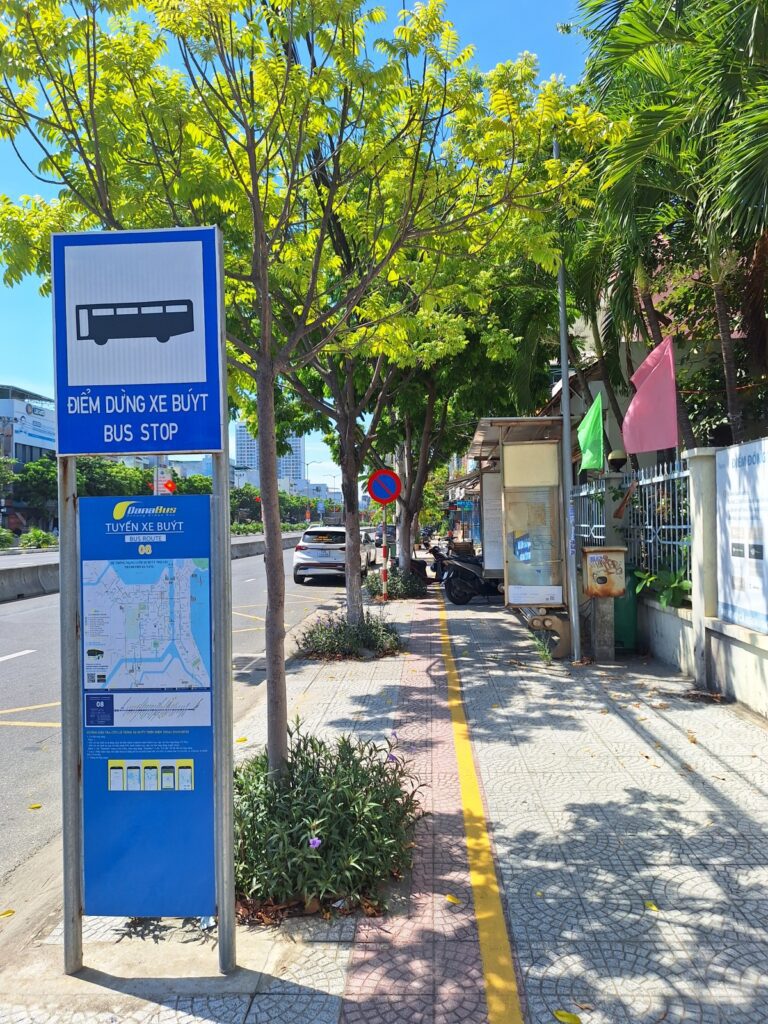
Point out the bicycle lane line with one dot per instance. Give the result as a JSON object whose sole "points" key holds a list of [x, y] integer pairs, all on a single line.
{"points": [[501, 987]]}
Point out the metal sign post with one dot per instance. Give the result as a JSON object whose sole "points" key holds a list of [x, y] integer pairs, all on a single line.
{"points": [[568, 509], [147, 727], [384, 486], [71, 715]]}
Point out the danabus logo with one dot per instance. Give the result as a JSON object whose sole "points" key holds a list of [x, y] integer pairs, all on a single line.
{"points": [[120, 509]]}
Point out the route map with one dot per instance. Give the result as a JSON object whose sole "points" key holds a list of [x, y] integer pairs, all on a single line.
{"points": [[145, 624]]}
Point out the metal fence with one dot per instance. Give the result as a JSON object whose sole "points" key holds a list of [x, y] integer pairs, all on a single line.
{"points": [[656, 524], [589, 507]]}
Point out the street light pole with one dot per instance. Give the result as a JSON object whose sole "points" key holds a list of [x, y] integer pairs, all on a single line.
{"points": [[567, 472]]}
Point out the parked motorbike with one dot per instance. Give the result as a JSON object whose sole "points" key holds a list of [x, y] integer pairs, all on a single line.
{"points": [[441, 554], [463, 580]]}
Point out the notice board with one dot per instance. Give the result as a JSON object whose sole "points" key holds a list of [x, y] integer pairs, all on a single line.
{"points": [[742, 525], [492, 524], [147, 717]]}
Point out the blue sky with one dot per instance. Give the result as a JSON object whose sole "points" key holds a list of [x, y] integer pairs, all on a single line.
{"points": [[498, 29]]}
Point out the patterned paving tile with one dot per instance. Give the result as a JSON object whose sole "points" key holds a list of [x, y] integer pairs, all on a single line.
{"points": [[294, 1009]]}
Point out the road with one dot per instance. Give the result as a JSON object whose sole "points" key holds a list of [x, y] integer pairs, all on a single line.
{"points": [[30, 734]]}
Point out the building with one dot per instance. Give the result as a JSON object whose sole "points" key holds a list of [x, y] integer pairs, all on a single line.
{"points": [[27, 425], [289, 467], [246, 448]]}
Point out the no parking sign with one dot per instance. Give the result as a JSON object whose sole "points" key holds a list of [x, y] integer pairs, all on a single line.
{"points": [[384, 486]]}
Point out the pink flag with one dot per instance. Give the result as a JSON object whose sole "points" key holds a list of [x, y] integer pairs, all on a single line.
{"points": [[651, 419]]}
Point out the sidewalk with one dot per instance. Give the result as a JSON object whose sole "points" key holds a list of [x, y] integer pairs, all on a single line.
{"points": [[629, 825]]}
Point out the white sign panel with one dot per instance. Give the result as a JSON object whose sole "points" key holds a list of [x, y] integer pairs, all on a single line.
{"points": [[493, 529], [742, 518], [138, 335], [135, 313]]}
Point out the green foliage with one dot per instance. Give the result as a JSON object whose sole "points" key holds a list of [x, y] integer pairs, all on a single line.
{"points": [[400, 585], [245, 529], [98, 477], [6, 538], [36, 538], [432, 513], [7, 475], [672, 587], [360, 800], [196, 483], [37, 484], [333, 637]]}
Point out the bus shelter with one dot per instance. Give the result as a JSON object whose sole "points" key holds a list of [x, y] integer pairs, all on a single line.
{"points": [[522, 507]]}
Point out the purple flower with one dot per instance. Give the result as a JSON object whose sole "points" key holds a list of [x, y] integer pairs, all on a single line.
{"points": [[394, 735], [391, 757], [314, 842]]}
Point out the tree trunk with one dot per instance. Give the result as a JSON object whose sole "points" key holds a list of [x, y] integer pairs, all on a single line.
{"points": [[274, 620], [729, 363], [753, 307], [683, 419], [403, 513], [350, 470]]}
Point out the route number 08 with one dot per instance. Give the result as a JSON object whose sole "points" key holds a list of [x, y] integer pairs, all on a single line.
{"points": [[145, 549]]}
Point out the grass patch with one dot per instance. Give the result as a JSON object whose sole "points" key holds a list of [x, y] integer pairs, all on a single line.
{"points": [[400, 585], [333, 636], [335, 828]]}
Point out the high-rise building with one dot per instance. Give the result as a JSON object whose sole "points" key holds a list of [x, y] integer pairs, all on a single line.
{"points": [[246, 448], [290, 467]]}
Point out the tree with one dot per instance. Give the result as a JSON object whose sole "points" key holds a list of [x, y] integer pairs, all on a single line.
{"points": [[325, 168], [689, 80], [37, 485], [7, 475], [196, 483]]}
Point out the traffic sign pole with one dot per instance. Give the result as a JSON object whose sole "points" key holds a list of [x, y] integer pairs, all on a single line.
{"points": [[71, 715], [384, 486], [385, 555], [221, 662]]}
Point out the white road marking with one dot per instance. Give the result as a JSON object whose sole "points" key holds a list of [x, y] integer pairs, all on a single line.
{"points": [[18, 654]]}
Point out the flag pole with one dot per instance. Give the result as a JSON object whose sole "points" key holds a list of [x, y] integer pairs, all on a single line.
{"points": [[566, 448]]}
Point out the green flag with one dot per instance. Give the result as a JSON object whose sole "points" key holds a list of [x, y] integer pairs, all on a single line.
{"points": [[590, 435]]}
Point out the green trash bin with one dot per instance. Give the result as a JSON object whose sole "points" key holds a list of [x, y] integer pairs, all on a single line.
{"points": [[625, 615]]}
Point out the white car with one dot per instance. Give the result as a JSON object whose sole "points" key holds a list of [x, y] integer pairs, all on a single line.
{"points": [[369, 544], [322, 552]]}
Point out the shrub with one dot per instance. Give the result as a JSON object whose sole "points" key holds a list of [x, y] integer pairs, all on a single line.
{"points": [[400, 585], [36, 538], [245, 529], [6, 538], [334, 637], [337, 825]]}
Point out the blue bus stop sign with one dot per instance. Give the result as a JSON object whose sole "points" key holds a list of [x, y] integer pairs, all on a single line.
{"points": [[138, 341]]}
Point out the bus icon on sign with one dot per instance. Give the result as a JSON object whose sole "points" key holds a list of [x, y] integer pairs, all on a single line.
{"points": [[162, 320]]}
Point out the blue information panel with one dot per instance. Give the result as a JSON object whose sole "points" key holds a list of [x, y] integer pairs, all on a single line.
{"points": [[148, 817], [138, 349]]}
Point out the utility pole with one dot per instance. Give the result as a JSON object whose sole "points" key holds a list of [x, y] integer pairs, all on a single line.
{"points": [[566, 448]]}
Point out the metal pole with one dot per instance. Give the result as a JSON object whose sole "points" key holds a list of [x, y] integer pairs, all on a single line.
{"points": [[221, 580], [385, 556], [71, 715], [567, 473], [221, 664]]}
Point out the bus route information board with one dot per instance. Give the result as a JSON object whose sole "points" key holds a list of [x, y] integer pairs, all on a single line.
{"points": [[147, 714]]}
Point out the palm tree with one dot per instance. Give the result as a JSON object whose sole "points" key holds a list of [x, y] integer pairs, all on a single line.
{"points": [[683, 75]]}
